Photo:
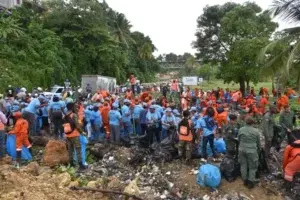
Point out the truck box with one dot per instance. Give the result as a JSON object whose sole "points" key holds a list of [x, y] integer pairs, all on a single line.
{"points": [[98, 82]]}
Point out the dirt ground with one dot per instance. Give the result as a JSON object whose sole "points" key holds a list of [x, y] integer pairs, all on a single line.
{"points": [[20, 185], [234, 188]]}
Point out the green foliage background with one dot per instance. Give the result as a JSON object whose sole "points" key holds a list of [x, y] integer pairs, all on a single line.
{"points": [[45, 42]]}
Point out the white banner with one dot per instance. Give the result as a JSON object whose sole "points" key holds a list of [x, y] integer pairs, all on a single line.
{"points": [[193, 80]]}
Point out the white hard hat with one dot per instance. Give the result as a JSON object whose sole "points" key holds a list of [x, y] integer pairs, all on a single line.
{"points": [[23, 89], [39, 89]]}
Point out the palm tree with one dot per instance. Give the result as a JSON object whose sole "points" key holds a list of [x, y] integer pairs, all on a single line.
{"points": [[145, 51], [120, 28], [281, 56]]}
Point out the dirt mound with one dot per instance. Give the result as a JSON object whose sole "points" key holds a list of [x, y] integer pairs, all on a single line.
{"points": [[55, 153], [16, 184]]}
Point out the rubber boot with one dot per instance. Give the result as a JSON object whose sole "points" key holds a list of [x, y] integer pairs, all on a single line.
{"points": [[82, 166], [18, 159]]}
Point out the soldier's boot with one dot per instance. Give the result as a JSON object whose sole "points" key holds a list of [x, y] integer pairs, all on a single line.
{"points": [[250, 185]]}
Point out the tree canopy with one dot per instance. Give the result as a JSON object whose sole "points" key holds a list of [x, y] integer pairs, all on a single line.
{"points": [[44, 43], [232, 35]]}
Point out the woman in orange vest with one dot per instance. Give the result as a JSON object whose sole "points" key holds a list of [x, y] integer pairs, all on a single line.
{"points": [[21, 132], [291, 160], [185, 136]]}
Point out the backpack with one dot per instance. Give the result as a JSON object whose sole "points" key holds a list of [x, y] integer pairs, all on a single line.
{"points": [[69, 124], [184, 128], [210, 123]]}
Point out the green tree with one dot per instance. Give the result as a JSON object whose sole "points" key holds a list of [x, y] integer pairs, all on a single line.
{"points": [[241, 31], [209, 44], [171, 57], [281, 56], [206, 71]]}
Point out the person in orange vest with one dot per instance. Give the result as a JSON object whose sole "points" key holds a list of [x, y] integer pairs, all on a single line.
{"points": [[128, 94], [185, 136], [3, 121], [249, 100], [263, 102], [282, 102], [291, 160], [222, 117], [133, 83], [21, 131], [105, 119], [291, 93], [72, 132]]}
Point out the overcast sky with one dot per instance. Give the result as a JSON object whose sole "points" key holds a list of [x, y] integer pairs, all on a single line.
{"points": [[171, 24]]}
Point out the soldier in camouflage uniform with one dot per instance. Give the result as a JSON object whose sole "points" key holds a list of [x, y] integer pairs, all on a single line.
{"points": [[230, 136], [249, 147], [241, 118], [287, 121], [268, 123]]}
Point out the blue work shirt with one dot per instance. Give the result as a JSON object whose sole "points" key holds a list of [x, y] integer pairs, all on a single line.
{"points": [[168, 119], [114, 117], [159, 110], [143, 114], [153, 118], [96, 118], [201, 124], [194, 118], [88, 115], [55, 106], [45, 111], [126, 115], [136, 111], [33, 106]]}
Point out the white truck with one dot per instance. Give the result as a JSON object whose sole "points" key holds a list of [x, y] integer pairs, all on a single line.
{"points": [[97, 82], [55, 90]]}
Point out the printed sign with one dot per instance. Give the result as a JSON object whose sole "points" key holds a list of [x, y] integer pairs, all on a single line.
{"points": [[193, 80]]}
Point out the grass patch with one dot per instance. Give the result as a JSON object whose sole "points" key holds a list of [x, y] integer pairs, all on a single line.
{"points": [[232, 86]]}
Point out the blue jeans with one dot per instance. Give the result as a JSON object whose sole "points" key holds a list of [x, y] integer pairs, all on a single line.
{"points": [[208, 139], [98, 135], [137, 126], [164, 133], [128, 129], [2, 144]]}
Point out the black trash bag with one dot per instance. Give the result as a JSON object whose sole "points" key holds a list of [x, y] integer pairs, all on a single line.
{"points": [[139, 156], [230, 169], [125, 141], [143, 141], [166, 149]]}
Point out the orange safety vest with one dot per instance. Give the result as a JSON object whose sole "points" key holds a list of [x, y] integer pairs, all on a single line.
{"points": [[291, 161], [185, 134], [68, 129]]}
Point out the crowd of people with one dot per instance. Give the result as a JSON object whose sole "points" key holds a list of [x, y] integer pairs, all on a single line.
{"points": [[194, 116]]}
